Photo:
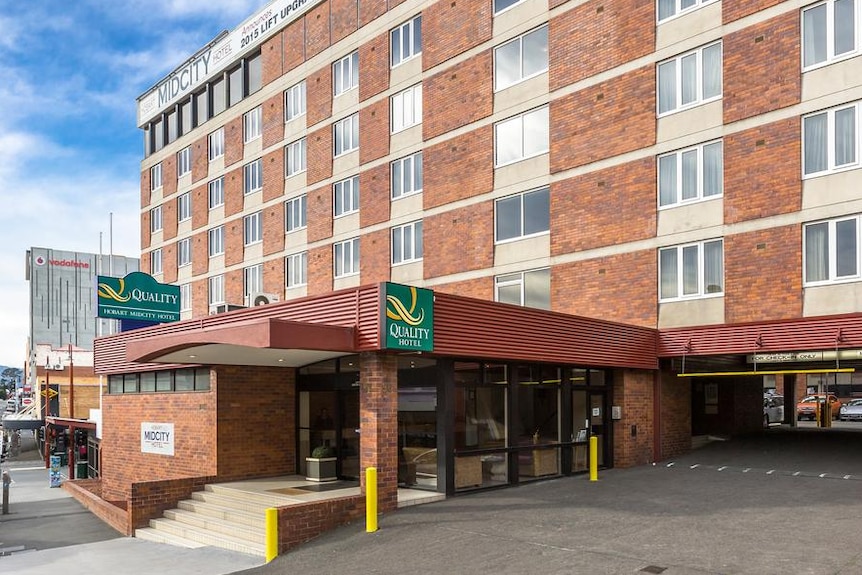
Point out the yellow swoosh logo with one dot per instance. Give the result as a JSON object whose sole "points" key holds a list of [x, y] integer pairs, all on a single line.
{"points": [[401, 312], [107, 291]]}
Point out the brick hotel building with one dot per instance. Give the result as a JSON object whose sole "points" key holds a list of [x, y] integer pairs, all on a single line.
{"points": [[674, 186]]}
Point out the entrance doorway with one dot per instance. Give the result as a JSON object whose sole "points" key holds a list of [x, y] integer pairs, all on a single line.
{"points": [[330, 418]]}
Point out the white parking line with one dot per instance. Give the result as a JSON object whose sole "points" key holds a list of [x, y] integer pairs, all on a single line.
{"points": [[770, 472], [847, 476], [722, 468], [746, 470], [696, 465], [671, 464], [822, 475], [796, 473]]}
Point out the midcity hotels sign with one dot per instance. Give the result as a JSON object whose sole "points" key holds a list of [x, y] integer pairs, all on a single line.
{"points": [[408, 317], [157, 438], [139, 297], [217, 56]]}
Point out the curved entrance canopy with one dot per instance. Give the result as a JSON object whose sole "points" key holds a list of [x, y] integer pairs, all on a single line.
{"points": [[263, 341]]}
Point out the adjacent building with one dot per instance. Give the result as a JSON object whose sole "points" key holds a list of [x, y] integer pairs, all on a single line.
{"points": [[685, 173]]}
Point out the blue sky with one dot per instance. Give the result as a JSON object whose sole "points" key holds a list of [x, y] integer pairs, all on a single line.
{"points": [[70, 151]]}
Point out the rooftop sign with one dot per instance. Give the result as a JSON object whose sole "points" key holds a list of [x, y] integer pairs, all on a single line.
{"points": [[409, 318], [219, 55], [138, 296]]}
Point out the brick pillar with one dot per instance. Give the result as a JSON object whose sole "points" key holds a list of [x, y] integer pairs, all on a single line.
{"points": [[378, 416]]}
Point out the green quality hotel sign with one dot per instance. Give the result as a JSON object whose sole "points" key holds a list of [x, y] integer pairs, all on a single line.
{"points": [[138, 296], [409, 318]]}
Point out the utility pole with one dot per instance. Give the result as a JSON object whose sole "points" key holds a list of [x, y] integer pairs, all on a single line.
{"points": [[71, 384]]}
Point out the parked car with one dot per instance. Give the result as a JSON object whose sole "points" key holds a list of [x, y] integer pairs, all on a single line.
{"points": [[851, 411], [773, 409], [807, 408]]}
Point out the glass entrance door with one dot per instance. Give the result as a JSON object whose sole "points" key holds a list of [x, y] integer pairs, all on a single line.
{"points": [[597, 422], [330, 418], [348, 434]]}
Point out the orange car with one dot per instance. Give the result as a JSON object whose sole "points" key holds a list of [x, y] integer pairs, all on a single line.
{"points": [[807, 408]]}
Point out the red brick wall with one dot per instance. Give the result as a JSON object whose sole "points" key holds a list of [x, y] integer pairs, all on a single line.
{"points": [[319, 155], [273, 175], [450, 28], [294, 45], [200, 297], [471, 153], [597, 36], [250, 443], [272, 56], [761, 68], [169, 263], [603, 208], [233, 242], [752, 262], [200, 206], [345, 14], [374, 259], [317, 29], [305, 521], [169, 176], [481, 288], [370, 9], [603, 121], [88, 492], [374, 66], [146, 195], [150, 499], [458, 96], [318, 91], [735, 9], [374, 132], [320, 269], [233, 192], [233, 287], [633, 391], [273, 229], [374, 196], [378, 412], [467, 232], [273, 276], [146, 237], [233, 145], [194, 417], [616, 288], [200, 159], [169, 219], [273, 120], [761, 171], [675, 426], [319, 216], [200, 253]]}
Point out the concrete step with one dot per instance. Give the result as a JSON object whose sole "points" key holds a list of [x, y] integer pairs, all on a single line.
{"points": [[207, 537], [162, 536], [233, 501], [255, 534], [252, 519], [267, 499]]}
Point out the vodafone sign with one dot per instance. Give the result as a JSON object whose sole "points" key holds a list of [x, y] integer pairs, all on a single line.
{"points": [[40, 261]]}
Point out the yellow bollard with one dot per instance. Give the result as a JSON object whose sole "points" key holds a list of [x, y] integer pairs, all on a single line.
{"points": [[271, 534], [371, 500], [594, 458]]}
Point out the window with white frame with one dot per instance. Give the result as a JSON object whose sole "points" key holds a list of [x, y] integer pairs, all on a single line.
{"points": [[345, 135], [407, 108], [252, 228], [294, 158], [829, 32], [252, 124], [295, 213], [522, 215], [185, 297], [156, 219], [670, 8], [252, 280], [184, 252], [691, 174], [184, 206], [156, 177], [252, 176], [407, 243], [524, 57], [346, 257], [216, 144], [216, 289], [156, 261], [831, 139], [296, 269], [689, 79], [345, 74], [406, 176], [216, 241], [500, 5], [530, 288], [831, 251], [294, 101], [521, 137], [345, 196], [691, 270], [184, 161], [405, 41], [215, 192]]}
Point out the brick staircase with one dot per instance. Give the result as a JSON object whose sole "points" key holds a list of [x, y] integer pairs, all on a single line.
{"points": [[218, 517]]}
